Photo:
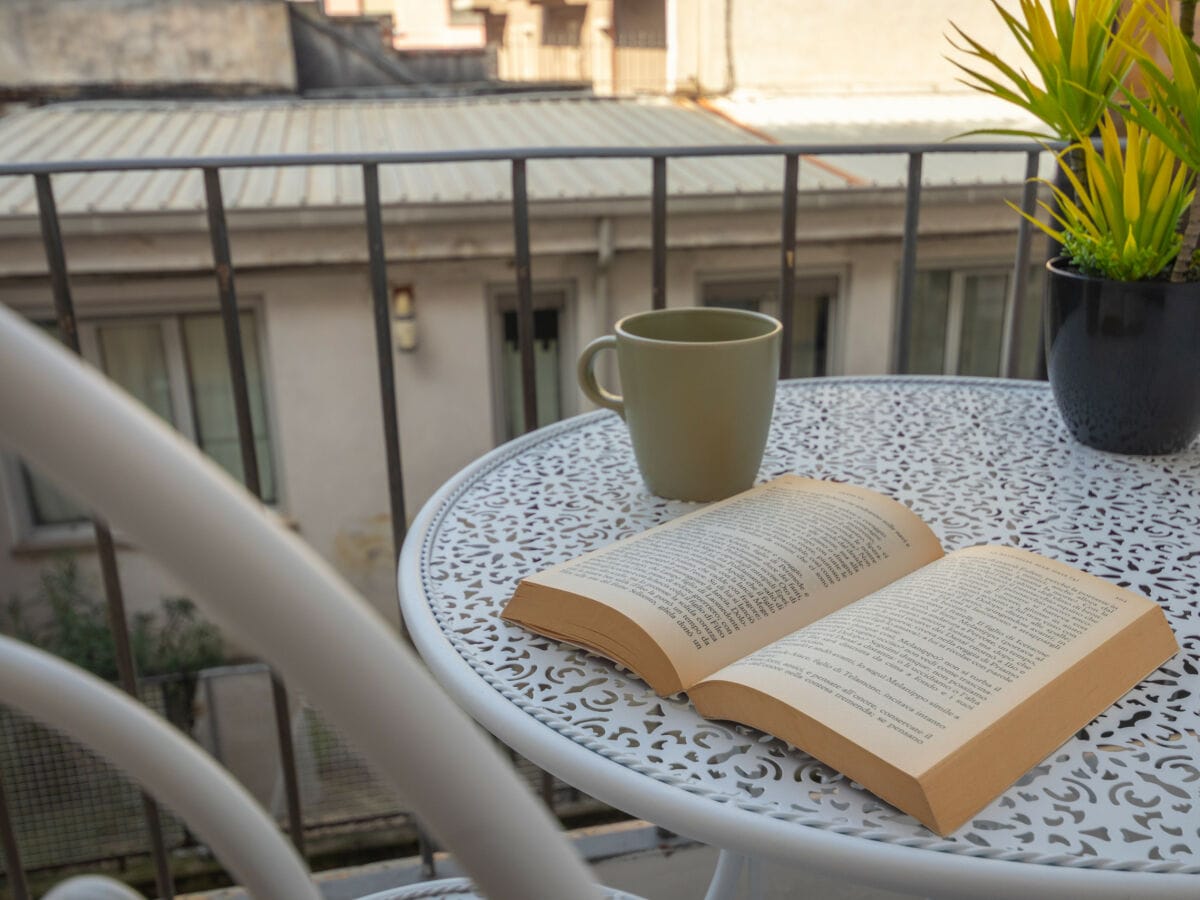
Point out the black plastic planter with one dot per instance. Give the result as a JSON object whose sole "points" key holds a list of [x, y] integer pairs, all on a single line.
{"points": [[1124, 360]]}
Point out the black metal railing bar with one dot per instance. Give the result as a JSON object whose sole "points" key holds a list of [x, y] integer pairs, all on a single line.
{"points": [[658, 229], [218, 232], [508, 154], [118, 622], [381, 310], [381, 307], [787, 257], [908, 262], [1012, 323], [524, 276]]}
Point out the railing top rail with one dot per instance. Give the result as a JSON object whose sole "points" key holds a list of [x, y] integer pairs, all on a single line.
{"points": [[508, 154]]}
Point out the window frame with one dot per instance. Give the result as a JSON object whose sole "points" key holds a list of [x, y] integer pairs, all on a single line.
{"points": [[960, 271], [838, 303], [496, 304], [33, 537], [550, 26]]}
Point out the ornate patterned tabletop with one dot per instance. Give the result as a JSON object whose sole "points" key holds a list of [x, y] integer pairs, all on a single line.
{"points": [[982, 461]]}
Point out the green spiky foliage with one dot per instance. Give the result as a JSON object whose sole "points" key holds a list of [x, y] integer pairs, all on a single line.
{"points": [[1171, 112], [1121, 223], [1127, 207], [1079, 56]]}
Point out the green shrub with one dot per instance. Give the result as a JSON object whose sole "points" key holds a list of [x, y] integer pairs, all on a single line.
{"points": [[64, 618]]}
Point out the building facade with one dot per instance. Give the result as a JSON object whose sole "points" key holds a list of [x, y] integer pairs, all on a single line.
{"points": [[715, 47], [141, 269]]}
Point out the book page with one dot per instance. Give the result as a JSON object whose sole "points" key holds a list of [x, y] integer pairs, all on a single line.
{"points": [[921, 666], [716, 584]]}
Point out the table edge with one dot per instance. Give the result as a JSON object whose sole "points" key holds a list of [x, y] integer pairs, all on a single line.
{"points": [[945, 868]]}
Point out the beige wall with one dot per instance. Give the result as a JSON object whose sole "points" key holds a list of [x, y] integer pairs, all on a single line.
{"points": [[421, 25], [718, 46], [318, 339], [826, 46], [329, 434], [146, 42], [698, 57]]}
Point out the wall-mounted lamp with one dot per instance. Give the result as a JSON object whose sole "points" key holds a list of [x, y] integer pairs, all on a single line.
{"points": [[404, 319]]}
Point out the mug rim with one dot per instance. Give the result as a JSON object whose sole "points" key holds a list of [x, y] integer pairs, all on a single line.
{"points": [[621, 329]]}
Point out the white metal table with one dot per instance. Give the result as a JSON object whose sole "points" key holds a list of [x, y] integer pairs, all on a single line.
{"points": [[1114, 812]]}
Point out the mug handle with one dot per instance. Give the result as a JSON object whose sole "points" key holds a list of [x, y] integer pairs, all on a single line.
{"points": [[586, 370]]}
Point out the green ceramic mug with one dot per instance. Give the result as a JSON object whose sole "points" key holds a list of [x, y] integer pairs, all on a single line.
{"points": [[699, 389]]}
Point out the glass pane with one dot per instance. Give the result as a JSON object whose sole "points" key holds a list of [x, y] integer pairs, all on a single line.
{"points": [[812, 309], [546, 371], [1031, 324], [133, 356], [982, 324], [757, 295], [48, 506], [927, 338], [212, 396]]}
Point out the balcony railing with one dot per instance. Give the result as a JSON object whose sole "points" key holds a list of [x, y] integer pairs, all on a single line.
{"points": [[657, 159]]}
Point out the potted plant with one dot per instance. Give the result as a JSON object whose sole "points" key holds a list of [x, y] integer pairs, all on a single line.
{"points": [[1122, 311]]}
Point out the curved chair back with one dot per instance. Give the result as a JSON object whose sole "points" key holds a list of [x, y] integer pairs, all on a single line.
{"points": [[258, 580]]}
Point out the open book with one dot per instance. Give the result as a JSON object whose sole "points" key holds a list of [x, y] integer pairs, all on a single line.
{"points": [[829, 616]]}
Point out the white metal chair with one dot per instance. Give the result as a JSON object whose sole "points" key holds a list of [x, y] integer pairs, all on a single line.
{"points": [[257, 579]]}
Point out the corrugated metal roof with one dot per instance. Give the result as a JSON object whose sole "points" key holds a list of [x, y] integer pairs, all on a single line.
{"points": [[157, 129]]}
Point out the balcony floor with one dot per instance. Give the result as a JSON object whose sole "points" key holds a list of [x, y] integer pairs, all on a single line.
{"points": [[684, 875], [631, 856]]}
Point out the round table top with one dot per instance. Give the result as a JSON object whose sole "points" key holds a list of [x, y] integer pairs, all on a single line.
{"points": [[982, 461]]}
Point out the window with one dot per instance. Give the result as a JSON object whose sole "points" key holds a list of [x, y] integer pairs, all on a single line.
{"points": [[958, 322], [177, 366], [640, 24], [548, 355], [562, 26], [812, 314]]}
